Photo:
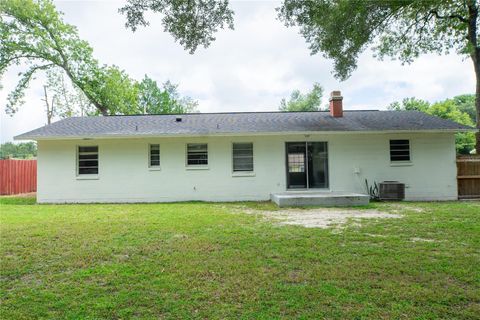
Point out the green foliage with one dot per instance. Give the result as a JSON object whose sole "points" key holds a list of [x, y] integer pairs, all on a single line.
{"points": [[192, 23], [465, 142], [117, 88], [449, 110], [340, 29], [68, 100], [455, 109], [466, 103], [303, 102], [34, 35], [151, 98], [372, 190], [410, 104], [167, 100], [403, 29], [25, 150]]}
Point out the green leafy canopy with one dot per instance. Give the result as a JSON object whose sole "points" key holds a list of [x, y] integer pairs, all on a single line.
{"points": [[24, 150], [303, 102], [34, 37], [403, 29], [456, 109], [191, 23]]}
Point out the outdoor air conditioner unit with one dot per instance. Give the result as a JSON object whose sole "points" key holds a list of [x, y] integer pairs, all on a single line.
{"points": [[392, 190]]}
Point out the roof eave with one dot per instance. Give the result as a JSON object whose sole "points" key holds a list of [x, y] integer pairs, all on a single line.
{"points": [[139, 136]]}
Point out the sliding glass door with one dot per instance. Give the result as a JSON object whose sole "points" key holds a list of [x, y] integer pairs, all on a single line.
{"points": [[307, 165], [296, 165]]}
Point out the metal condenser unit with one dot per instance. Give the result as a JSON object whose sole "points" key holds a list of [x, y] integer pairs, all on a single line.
{"points": [[392, 190]]}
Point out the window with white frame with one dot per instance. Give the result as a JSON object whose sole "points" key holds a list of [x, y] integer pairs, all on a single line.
{"points": [[399, 150], [242, 154], [154, 156], [197, 154], [87, 160]]}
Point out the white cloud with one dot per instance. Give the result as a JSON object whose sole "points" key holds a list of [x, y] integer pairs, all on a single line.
{"points": [[248, 69]]}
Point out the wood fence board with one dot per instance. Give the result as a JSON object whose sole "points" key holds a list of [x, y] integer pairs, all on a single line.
{"points": [[18, 176], [468, 177]]}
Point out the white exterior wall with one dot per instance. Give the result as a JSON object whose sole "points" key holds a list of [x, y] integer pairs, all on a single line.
{"points": [[124, 175]]}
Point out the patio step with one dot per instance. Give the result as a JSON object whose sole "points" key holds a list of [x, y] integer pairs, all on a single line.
{"points": [[309, 198]]}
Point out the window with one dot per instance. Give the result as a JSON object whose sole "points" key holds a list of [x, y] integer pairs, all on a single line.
{"points": [[296, 162], [197, 154], [88, 160], [154, 155], [399, 150], [242, 157]]}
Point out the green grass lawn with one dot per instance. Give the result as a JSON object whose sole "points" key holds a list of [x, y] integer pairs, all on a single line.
{"points": [[203, 260]]}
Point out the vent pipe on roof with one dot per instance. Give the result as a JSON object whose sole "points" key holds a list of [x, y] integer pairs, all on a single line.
{"points": [[336, 104], [178, 119]]}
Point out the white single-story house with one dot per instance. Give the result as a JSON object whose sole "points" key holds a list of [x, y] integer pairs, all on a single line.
{"points": [[243, 156]]}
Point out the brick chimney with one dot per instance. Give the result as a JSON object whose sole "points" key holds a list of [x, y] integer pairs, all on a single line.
{"points": [[336, 105]]}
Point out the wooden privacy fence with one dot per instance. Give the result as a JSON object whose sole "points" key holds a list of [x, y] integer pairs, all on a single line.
{"points": [[468, 177], [18, 176]]}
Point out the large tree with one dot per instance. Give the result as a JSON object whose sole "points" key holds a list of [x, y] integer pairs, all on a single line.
{"points": [[340, 29], [466, 103], [455, 109], [410, 104], [24, 150], [192, 23], [34, 37], [303, 101], [155, 100], [402, 29], [66, 100]]}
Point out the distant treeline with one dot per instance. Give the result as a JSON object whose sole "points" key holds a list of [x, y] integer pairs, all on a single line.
{"points": [[25, 150]]}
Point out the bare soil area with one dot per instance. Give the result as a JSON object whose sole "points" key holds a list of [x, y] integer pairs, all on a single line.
{"points": [[323, 217]]}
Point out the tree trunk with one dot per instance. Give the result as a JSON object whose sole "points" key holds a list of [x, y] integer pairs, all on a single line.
{"points": [[477, 105], [103, 111], [475, 55], [476, 64], [49, 109]]}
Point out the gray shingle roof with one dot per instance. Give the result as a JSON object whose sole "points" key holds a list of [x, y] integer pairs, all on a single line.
{"points": [[238, 123]]}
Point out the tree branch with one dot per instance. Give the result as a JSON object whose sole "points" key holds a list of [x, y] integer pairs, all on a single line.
{"points": [[8, 61], [451, 16]]}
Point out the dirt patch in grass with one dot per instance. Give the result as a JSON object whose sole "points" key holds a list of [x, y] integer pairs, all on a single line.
{"points": [[397, 207], [416, 239], [322, 217]]}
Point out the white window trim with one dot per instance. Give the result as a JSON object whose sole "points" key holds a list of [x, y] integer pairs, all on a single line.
{"points": [[243, 173], [401, 163], [149, 150], [90, 176], [196, 166]]}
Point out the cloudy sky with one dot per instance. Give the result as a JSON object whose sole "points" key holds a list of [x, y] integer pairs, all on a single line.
{"points": [[248, 69]]}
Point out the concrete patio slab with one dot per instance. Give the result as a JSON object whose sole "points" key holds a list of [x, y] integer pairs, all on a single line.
{"points": [[316, 198]]}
